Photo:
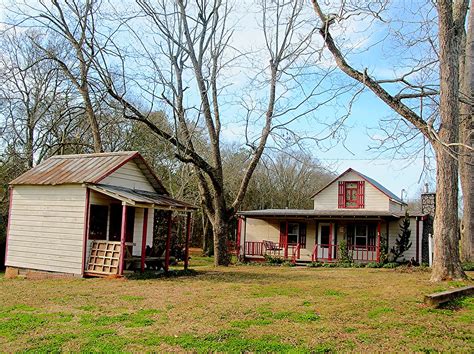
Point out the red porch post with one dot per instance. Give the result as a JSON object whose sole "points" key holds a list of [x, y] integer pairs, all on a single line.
{"points": [[168, 243], [330, 242], [188, 237], [145, 225], [286, 239], [379, 224], [86, 230], [122, 238]]}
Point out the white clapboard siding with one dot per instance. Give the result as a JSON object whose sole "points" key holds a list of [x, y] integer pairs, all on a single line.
{"points": [[47, 228], [138, 231], [257, 230], [394, 230], [129, 176], [328, 198], [397, 208]]}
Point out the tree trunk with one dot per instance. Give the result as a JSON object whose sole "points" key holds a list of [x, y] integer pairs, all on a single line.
{"points": [[92, 119], [466, 160], [207, 244], [446, 262], [221, 233]]}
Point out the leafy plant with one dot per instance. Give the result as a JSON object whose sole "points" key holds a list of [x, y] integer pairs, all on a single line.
{"points": [[374, 265], [402, 243], [468, 266], [343, 255], [314, 265], [390, 265], [274, 260]]}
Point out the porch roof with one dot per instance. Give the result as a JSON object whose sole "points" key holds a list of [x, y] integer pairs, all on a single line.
{"points": [[142, 199], [311, 213]]}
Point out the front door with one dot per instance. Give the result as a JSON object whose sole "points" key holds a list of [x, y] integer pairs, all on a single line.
{"points": [[326, 248]]}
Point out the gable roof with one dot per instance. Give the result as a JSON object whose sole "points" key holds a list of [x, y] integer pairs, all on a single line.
{"points": [[373, 182], [86, 168]]}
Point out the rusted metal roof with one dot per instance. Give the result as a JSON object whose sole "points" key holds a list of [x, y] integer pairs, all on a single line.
{"points": [[134, 197], [85, 168]]}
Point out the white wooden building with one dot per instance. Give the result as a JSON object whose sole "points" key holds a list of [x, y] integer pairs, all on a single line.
{"points": [[68, 204], [353, 207]]}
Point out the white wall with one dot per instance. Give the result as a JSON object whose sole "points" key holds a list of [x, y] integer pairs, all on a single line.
{"points": [[394, 230], [328, 198], [129, 176], [47, 228]]}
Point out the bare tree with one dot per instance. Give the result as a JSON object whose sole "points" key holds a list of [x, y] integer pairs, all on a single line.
{"points": [[74, 45], [466, 160], [189, 65], [444, 139]]}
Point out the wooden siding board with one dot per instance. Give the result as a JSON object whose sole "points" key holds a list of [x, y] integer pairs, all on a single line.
{"points": [[130, 176], [49, 237]]}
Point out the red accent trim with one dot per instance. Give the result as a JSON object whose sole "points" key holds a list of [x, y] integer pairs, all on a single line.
{"points": [[330, 251], [144, 234], [168, 243], [108, 173], [360, 194], [341, 200], [188, 238], [10, 203], [86, 230], [379, 225], [122, 239], [239, 234], [286, 239], [417, 238]]}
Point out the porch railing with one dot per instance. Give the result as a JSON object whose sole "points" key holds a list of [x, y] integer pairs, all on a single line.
{"points": [[330, 252], [274, 249]]}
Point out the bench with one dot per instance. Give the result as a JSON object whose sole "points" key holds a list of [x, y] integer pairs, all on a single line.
{"points": [[436, 299]]}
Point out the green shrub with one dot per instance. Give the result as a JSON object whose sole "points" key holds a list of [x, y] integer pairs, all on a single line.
{"points": [[358, 265], [391, 265], [274, 260], [468, 266], [373, 265], [330, 265], [344, 265], [343, 255], [314, 265]]}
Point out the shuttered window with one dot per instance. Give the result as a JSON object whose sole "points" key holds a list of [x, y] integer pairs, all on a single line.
{"points": [[351, 195]]}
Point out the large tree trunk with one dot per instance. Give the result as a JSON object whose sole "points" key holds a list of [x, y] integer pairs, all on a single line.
{"points": [[446, 262], [92, 119], [466, 160], [220, 230]]}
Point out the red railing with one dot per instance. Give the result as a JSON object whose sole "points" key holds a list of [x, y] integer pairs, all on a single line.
{"points": [[274, 249], [253, 248], [329, 252], [295, 253]]}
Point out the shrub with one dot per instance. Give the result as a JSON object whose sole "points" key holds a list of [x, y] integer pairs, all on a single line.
{"points": [[468, 266], [329, 265], [343, 255], [314, 265], [274, 260], [344, 265], [402, 243], [390, 265], [373, 265]]}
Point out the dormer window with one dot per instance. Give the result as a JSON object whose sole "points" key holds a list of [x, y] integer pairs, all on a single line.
{"points": [[351, 194]]}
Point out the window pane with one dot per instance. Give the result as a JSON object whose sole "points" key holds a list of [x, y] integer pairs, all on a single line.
{"points": [[361, 241], [324, 234], [98, 222], [361, 230]]}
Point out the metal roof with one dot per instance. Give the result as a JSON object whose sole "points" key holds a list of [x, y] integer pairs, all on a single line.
{"points": [[373, 182], [85, 168], [338, 213], [142, 198]]}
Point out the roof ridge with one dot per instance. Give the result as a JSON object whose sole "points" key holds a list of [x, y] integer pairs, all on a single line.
{"points": [[97, 154]]}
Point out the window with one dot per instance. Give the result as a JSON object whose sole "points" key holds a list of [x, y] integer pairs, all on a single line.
{"points": [[293, 232], [361, 235], [98, 215], [296, 233], [351, 194], [325, 233], [116, 223]]}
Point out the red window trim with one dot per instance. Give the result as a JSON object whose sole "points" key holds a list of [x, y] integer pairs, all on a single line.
{"points": [[360, 198]]}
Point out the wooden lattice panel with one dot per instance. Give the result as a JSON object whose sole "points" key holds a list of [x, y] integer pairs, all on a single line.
{"points": [[104, 258]]}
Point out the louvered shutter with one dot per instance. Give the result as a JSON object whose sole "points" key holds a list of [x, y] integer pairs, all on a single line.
{"points": [[282, 233], [341, 200], [361, 194], [303, 235]]}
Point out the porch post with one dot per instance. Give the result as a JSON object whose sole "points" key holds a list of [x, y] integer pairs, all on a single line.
{"points": [[188, 237], [168, 243], [379, 224], [145, 225], [122, 238], [330, 242], [286, 239]]}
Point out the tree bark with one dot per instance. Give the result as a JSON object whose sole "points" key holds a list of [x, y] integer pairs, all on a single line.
{"points": [[466, 160], [221, 234], [446, 261]]}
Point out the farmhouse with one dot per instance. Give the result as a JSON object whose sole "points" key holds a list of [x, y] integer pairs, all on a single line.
{"points": [[353, 207], [88, 214]]}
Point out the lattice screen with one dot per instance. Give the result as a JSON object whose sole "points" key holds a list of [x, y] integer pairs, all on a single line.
{"points": [[104, 258]]}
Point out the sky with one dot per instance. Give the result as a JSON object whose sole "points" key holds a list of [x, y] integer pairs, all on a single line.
{"points": [[395, 172]]}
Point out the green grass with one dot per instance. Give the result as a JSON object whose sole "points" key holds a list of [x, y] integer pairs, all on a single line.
{"points": [[235, 309]]}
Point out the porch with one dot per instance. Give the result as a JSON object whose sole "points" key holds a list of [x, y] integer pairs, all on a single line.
{"points": [[119, 231]]}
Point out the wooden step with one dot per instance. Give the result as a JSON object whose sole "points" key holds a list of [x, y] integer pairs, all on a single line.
{"points": [[437, 299]]}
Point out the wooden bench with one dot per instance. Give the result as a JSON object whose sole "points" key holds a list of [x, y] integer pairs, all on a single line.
{"points": [[436, 299]]}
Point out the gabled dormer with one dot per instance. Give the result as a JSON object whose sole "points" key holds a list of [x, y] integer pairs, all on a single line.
{"points": [[353, 190]]}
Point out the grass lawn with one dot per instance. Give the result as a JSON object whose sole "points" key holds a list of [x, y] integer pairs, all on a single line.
{"points": [[239, 308]]}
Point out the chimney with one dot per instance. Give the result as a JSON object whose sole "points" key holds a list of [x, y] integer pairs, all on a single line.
{"points": [[428, 203]]}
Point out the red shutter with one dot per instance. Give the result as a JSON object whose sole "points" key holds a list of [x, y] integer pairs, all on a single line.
{"points": [[282, 233], [361, 194], [341, 200], [303, 235]]}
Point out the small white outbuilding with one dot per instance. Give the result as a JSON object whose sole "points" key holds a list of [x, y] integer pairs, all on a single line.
{"points": [[86, 214]]}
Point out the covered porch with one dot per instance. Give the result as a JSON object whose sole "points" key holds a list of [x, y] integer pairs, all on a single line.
{"points": [[119, 230], [312, 236]]}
